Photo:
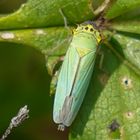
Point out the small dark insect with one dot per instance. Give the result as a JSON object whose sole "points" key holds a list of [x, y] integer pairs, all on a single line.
{"points": [[114, 126]]}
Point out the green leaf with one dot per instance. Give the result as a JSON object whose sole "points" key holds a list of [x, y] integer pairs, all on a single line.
{"points": [[46, 40], [113, 94], [120, 7], [45, 13], [128, 22], [129, 47], [125, 26]]}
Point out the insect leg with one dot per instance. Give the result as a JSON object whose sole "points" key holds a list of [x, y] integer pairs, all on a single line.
{"points": [[54, 83], [101, 60]]}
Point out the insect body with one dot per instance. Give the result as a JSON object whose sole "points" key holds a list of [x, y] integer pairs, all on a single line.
{"points": [[75, 74]]}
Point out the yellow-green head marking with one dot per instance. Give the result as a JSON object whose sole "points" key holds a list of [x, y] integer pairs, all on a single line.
{"points": [[88, 28]]}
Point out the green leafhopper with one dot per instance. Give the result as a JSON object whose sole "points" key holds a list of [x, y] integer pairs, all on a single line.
{"points": [[75, 74]]}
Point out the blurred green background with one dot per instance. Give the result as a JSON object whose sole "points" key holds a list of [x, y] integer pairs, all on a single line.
{"points": [[24, 80], [8, 6]]}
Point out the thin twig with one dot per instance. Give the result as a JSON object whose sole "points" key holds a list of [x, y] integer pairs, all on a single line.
{"points": [[22, 115]]}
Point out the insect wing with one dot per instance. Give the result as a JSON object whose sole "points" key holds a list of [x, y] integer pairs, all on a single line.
{"points": [[75, 75], [65, 82], [65, 107], [81, 84]]}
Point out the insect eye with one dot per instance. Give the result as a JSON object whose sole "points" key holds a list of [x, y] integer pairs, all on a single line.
{"points": [[86, 28]]}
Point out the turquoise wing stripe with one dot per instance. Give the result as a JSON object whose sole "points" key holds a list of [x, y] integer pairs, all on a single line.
{"points": [[81, 85]]}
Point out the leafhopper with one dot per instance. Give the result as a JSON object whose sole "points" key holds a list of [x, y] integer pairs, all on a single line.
{"points": [[75, 74]]}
